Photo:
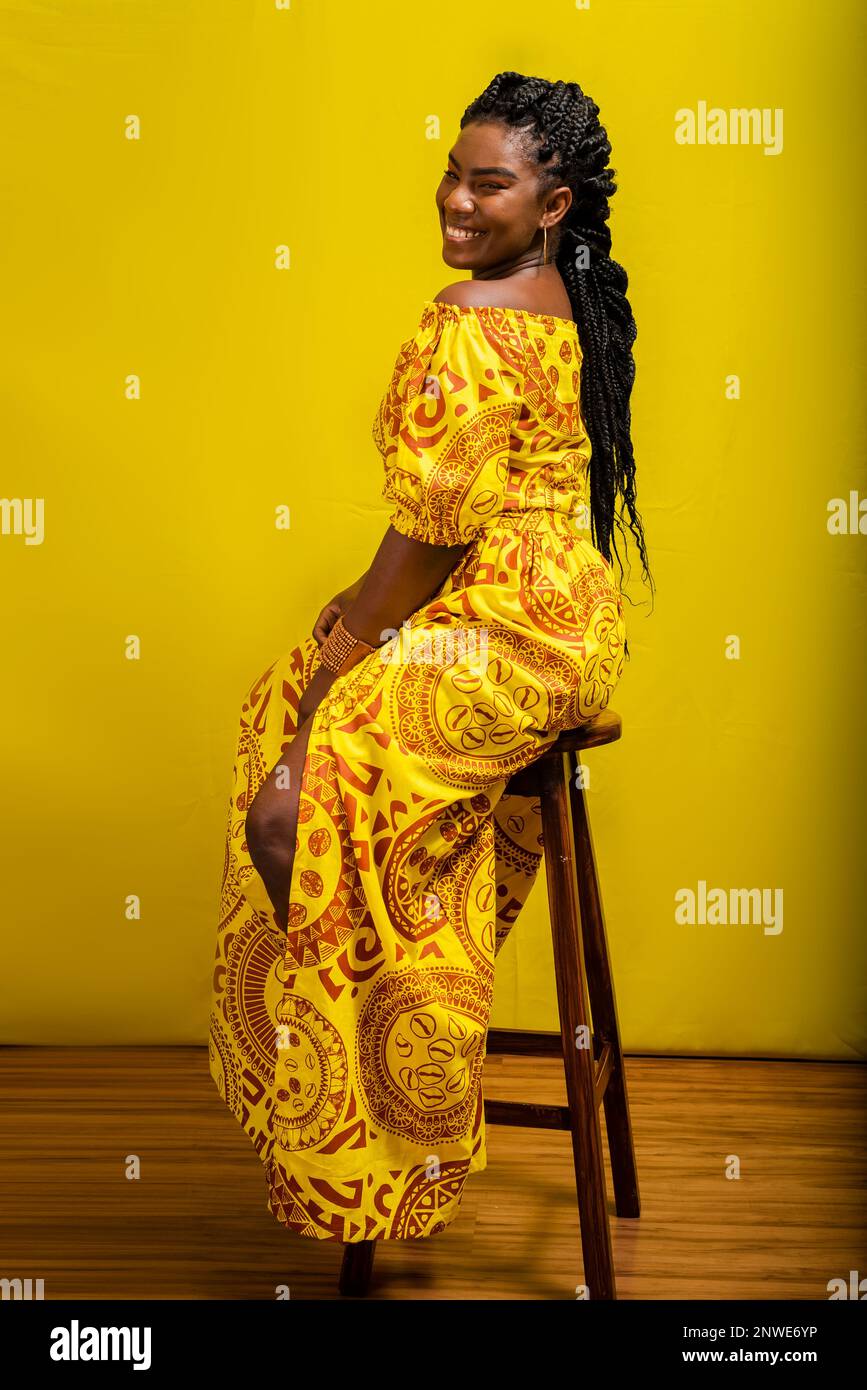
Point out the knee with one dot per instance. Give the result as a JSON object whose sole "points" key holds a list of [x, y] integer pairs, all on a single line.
{"points": [[261, 829]]}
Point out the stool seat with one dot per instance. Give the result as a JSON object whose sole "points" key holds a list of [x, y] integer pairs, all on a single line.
{"points": [[602, 728], [589, 1037]]}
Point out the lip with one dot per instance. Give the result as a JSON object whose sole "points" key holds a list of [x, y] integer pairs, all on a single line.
{"points": [[458, 227]]}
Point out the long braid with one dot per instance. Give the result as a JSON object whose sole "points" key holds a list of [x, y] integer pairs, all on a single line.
{"points": [[569, 144]]}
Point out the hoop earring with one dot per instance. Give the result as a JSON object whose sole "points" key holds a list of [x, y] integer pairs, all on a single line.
{"points": [[545, 247]]}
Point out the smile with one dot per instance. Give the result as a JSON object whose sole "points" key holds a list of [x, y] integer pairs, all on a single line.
{"points": [[462, 233]]}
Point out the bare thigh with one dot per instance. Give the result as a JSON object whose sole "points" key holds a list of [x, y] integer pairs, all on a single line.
{"points": [[272, 821]]}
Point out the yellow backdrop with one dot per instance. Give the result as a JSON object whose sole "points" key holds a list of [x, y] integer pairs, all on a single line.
{"points": [[218, 226]]}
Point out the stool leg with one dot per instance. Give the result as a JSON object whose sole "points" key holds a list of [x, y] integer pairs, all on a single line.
{"points": [[356, 1268], [603, 1006], [574, 1009]]}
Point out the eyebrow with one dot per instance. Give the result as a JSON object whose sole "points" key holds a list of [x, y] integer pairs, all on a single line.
{"points": [[493, 169]]}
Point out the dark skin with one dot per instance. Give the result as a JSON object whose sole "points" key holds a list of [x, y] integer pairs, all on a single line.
{"points": [[490, 186]]}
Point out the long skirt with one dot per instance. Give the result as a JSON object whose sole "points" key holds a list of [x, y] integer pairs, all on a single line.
{"points": [[350, 1047]]}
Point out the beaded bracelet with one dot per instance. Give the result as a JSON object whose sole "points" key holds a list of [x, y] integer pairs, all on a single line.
{"points": [[339, 646]]}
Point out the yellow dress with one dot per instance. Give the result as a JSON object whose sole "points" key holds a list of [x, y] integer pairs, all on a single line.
{"points": [[350, 1049]]}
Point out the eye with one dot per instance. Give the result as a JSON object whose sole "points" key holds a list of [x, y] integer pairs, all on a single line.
{"points": [[497, 187]]}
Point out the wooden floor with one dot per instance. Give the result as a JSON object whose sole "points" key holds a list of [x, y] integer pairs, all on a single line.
{"points": [[195, 1224]]}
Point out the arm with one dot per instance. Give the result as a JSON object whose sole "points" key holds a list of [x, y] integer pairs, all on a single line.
{"points": [[446, 446], [403, 574]]}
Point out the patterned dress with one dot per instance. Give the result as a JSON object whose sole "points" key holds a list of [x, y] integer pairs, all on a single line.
{"points": [[350, 1049]]}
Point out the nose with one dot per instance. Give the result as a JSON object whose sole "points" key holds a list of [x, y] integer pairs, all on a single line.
{"points": [[458, 202]]}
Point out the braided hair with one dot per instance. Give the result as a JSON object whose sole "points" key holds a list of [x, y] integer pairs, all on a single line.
{"points": [[568, 143]]}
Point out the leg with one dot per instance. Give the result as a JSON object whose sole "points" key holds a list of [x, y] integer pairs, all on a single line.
{"points": [[356, 1268], [272, 822], [603, 1006], [575, 1027], [518, 857]]}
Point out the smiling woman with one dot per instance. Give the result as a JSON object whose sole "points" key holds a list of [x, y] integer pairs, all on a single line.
{"points": [[374, 862], [492, 223]]}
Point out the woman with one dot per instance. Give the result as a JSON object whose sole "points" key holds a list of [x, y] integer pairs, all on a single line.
{"points": [[374, 865]]}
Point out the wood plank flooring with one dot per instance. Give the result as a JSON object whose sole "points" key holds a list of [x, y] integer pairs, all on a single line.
{"points": [[195, 1224]]}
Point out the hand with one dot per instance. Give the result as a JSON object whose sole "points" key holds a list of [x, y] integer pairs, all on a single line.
{"points": [[333, 609]]}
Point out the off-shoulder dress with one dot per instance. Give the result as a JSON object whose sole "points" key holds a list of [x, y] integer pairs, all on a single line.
{"points": [[350, 1049]]}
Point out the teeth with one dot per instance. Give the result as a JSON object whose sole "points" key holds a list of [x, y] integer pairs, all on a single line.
{"points": [[462, 233]]}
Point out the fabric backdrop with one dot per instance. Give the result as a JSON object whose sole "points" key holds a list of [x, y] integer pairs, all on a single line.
{"points": [[219, 224]]}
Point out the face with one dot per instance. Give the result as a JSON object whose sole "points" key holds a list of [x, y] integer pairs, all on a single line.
{"points": [[490, 190]]}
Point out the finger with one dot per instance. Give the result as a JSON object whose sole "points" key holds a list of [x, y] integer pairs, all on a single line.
{"points": [[325, 622]]}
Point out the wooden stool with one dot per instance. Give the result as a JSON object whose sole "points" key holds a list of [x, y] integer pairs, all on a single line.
{"points": [[585, 993]]}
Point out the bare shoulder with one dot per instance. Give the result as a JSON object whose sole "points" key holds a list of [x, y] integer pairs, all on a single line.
{"points": [[480, 294], [466, 294]]}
